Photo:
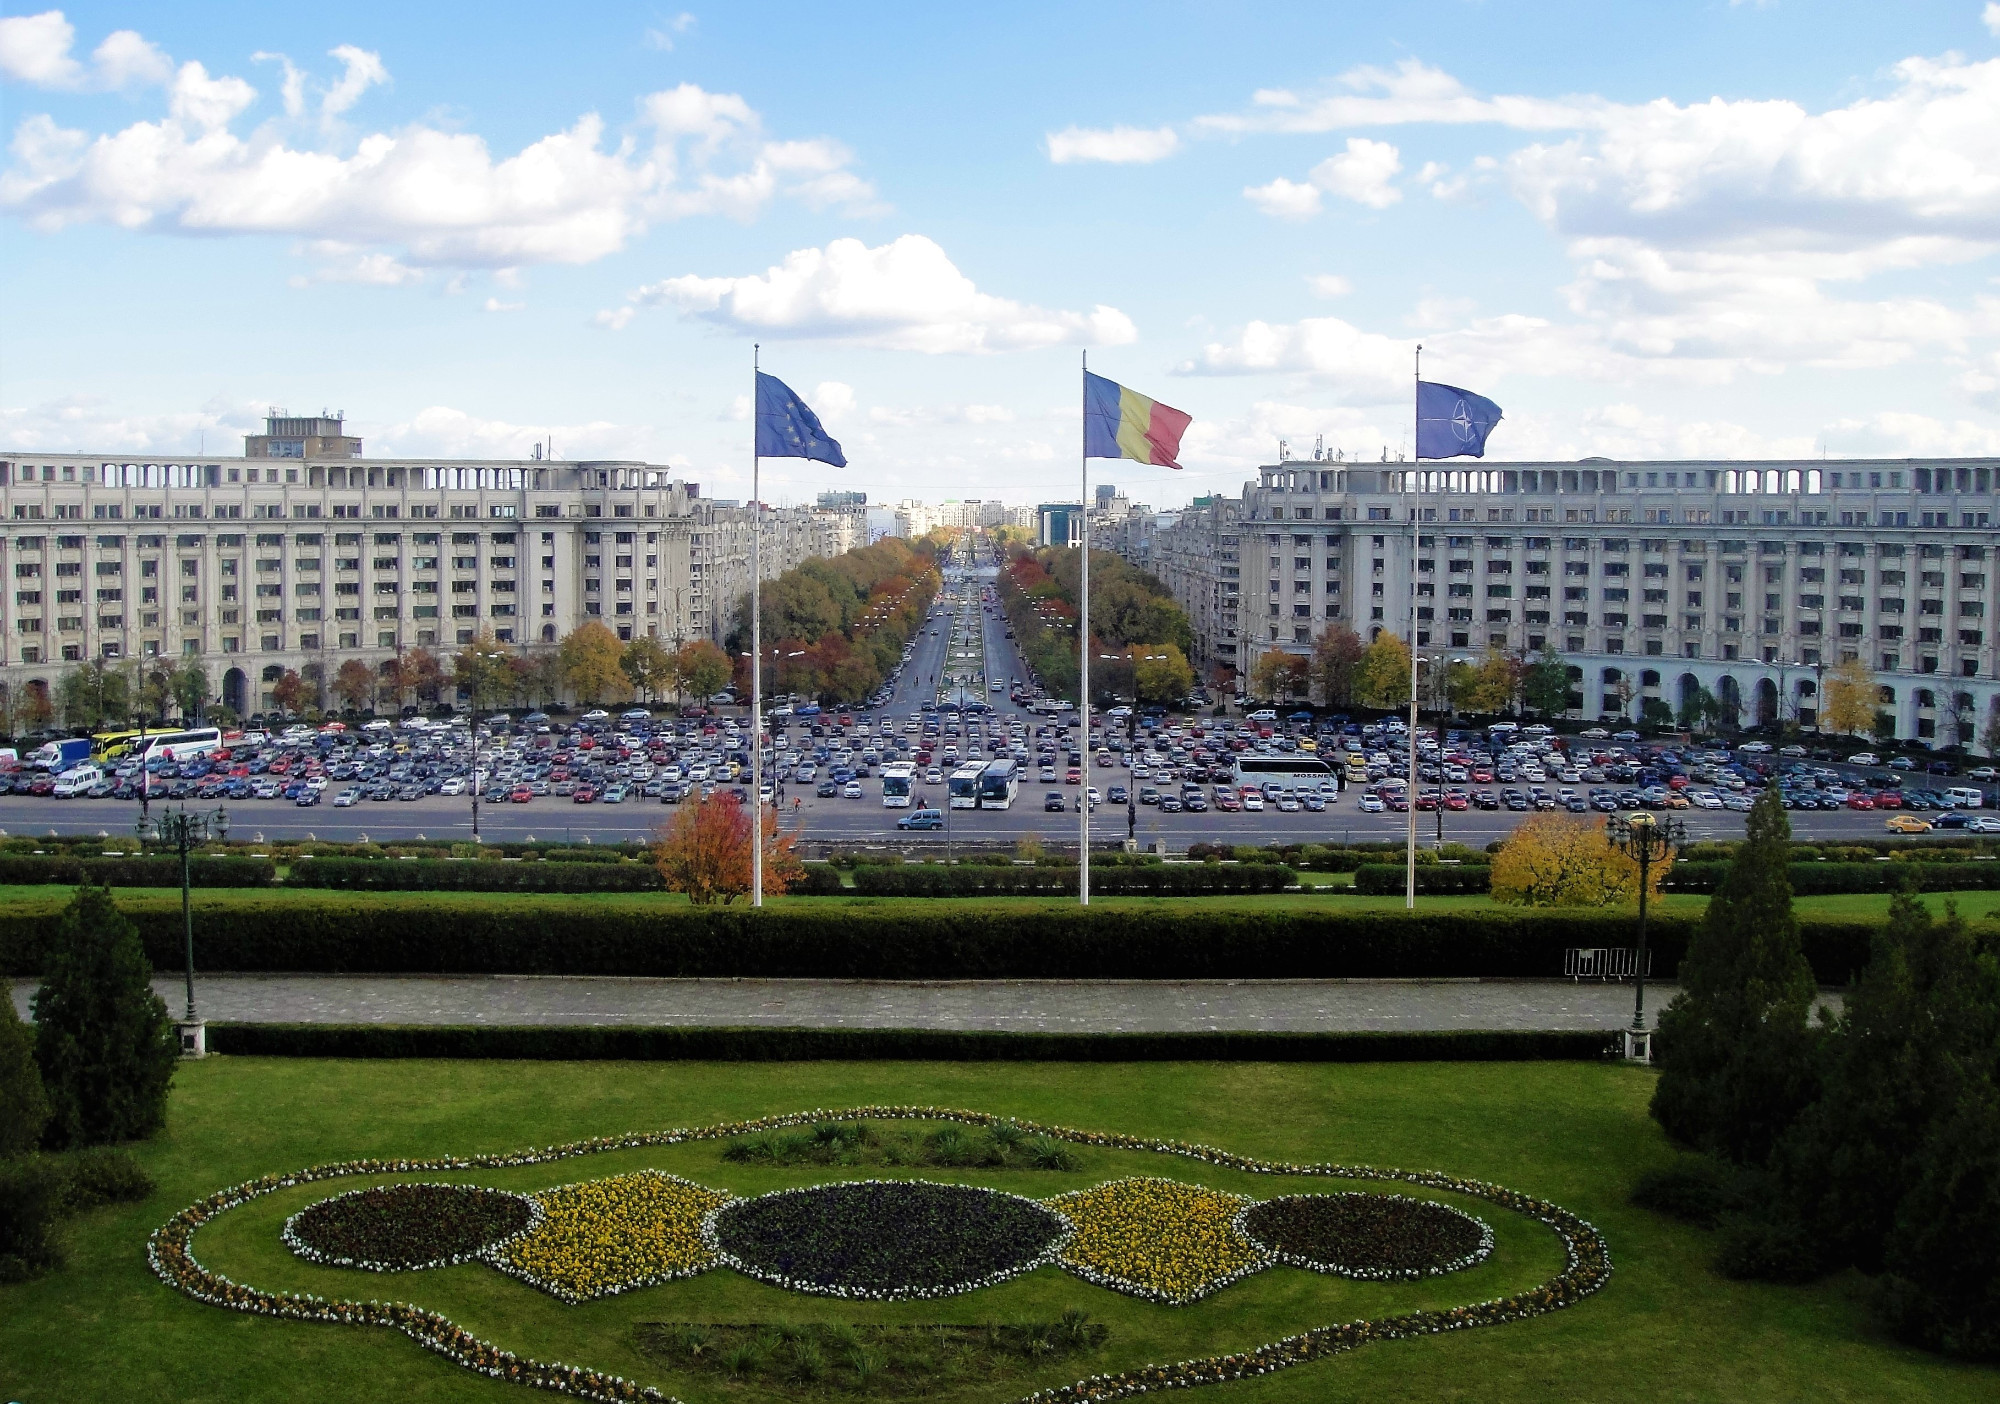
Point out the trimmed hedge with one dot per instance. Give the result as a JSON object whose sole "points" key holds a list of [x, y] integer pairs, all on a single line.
{"points": [[567, 1042], [1165, 941], [471, 875], [149, 870], [1433, 879], [1820, 879], [1147, 880]]}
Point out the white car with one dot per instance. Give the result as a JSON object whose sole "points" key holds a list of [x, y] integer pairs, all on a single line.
{"points": [[1253, 802], [1705, 799], [1984, 824], [1864, 758], [1755, 748], [453, 786]]}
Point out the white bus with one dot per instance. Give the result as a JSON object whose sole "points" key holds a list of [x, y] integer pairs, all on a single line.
{"points": [[184, 745], [897, 777], [963, 785], [1299, 773], [999, 783]]}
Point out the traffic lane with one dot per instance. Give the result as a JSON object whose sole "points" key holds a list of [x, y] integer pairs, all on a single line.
{"points": [[848, 821]]}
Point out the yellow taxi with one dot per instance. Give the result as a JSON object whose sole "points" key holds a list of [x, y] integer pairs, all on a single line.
{"points": [[1906, 824]]}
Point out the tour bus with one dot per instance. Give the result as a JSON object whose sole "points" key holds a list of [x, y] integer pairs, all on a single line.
{"points": [[110, 745], [897, 777], [196, 741], [963, 785], [1299, 772], [999, 783]]}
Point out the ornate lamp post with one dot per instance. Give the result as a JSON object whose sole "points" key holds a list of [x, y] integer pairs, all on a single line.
{"points": [[1647, 841], [184, 832]]}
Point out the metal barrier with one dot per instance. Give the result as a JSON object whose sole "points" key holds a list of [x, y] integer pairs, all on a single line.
{"points": [[1604, 963]]}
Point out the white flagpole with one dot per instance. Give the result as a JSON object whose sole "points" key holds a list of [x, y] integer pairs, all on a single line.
{"points": [[1083, 663], [1416, 544], [757, 650]]}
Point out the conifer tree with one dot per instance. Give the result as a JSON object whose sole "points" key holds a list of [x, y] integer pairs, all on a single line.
{"points": [[24, 1107], [1735, 1051], [103, 1040]]}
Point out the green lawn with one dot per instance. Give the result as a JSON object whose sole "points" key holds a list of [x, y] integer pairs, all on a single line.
{"points": [[1665, 1329]]}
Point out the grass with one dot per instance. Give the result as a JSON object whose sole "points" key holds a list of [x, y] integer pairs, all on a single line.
{"points": [[1575, 1133]]}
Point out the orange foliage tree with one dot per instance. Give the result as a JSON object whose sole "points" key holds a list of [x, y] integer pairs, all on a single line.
{"points": [[1555, 860], [704, 851]]}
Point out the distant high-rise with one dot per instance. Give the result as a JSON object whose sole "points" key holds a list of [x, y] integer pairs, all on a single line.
{"points": [[839, 501]]}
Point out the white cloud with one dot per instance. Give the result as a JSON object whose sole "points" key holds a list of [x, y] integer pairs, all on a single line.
{"points": [[293, 89], [1897, 434], [348, 264], [1118, 145], [35, 49], [1990, 17], [1328, 285], [905, 295], [422, 196], [832, 401], [940, 414], [494, 304], [1378, 97], [361, 71], [662, 36], [84, 423], [1364, 173]]}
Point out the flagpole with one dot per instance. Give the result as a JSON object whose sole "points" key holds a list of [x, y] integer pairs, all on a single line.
{"points": [[1416, 545], [757, 648], [1083, 661]]}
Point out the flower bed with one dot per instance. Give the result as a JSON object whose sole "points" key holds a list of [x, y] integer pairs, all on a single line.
{"points": [[1586, 1261], [1158, 1239], [602, 1237], [884, 1240], [1379, 1237], [403, 1228]]}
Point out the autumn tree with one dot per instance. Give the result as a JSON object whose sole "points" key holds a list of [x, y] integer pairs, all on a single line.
{"points": [[700, 668], [1851, 698], [481, 671], [92, 695], [1337, 654], [34, 709], [1489, 685], [590, 654], [288, 693], [354, 685], [1279, 675], [1557, 860], [1383, 678], [417, 671], [1989, 735], [647, 666], [704, 851], [1161, 673]]}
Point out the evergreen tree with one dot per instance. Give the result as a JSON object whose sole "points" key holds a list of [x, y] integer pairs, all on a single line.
{"points": [[1942, 1289], [1914, 1038], [24, 1107], [1735, 1051], [103, 1040]]}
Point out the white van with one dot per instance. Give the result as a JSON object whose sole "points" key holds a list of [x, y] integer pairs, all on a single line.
{"points": [[74, 782], [1966, 798]]}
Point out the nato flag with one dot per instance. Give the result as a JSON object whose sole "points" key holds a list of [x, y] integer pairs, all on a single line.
{"points": [[1453, 423], [787, 427]]}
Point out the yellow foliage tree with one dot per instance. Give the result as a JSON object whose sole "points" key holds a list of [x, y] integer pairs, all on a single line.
{"points": [[1557, 860], [1851, 694], [1383, 677], [590, 656]]}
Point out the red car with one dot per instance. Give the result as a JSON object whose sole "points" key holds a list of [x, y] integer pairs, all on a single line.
{"points": [[1860, 802], [520, 794], [1073, 776], [1888, 799], [1229, 804], [584, 795], [1456, 801]]}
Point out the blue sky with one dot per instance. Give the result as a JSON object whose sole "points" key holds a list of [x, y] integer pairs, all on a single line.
{"points": [[1647, 231]]}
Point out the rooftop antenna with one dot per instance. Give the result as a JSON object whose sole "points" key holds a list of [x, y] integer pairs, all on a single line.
{"points": [[1284, 450], [1319, 447]]}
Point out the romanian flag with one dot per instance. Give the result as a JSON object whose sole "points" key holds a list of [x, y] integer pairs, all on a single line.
{"points": [[1121, 423]]}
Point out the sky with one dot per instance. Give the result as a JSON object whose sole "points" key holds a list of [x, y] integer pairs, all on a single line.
{"points": [[1680, 229]]}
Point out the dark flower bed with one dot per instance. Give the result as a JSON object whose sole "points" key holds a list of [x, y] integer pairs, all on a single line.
{"points": [[399, 1228], [1378, 1236], [884, 1239]]}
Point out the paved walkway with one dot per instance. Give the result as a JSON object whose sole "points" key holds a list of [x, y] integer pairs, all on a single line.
{"points": [[1092, 1006]]}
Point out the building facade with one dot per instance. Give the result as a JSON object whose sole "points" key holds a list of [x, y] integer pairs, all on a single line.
{"points": [[1653, 580], [1197, 557], [287, 559]]}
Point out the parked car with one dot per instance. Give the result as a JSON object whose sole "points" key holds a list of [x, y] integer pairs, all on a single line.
{"points": [[925, 819]]}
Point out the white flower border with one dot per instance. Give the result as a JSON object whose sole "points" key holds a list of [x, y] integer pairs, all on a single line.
{"points": [[712, 1240], [1478, 1255], [305, 1250], [1586, 1268], [563, 1294], [1263, 1258]]}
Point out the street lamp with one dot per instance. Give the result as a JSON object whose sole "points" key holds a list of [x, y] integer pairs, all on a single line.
{"points": [[183, 832], [1647, 841]]}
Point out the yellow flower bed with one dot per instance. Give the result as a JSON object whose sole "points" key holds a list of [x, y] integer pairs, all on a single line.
{"points": [[611, 1235], [1154, 1238]]}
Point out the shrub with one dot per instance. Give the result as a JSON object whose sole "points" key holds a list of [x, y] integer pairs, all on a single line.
{"points": [[1150, 880], [1768, 1247], [1556, 860], [103, 1041], [98, 1175], [1694, 1189], [24, 1106], [151, 870], [31, 1202], [428, 875], [1384, 880]]}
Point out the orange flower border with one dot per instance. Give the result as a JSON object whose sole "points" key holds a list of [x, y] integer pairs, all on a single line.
{"points": [[170, 1251]]}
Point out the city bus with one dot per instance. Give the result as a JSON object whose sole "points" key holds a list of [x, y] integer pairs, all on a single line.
{"points": [[963, 785], [1299, 773], [999, 783], [897, 778], [195, 741]]}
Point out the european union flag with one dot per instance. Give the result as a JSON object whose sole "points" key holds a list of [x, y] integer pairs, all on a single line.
{"points": [[787, 427], [1453, 423]]}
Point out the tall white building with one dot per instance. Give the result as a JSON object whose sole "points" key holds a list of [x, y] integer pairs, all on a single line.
{"points": [[301, 554], [1651, 579]]}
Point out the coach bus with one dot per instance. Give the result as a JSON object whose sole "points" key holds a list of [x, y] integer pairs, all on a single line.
{"points": [[999, 783], [963, 785], [1299, 773], [181, 745], [897, 778]]}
